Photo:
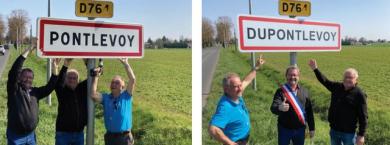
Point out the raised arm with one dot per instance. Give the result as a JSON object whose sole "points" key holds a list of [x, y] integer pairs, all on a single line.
{"points": [[252, 74], [44, 91], [13, 74], [96, 96], [130, 74], [330, 85], [62, 74]]}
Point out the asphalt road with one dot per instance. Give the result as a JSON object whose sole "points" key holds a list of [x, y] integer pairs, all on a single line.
{"points": [[3, 61], [210, 58]]}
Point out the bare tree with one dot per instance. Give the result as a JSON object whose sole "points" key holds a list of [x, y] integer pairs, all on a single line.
{"points": [[208, 32], [2, 29], [224, 30], [17, 25]]}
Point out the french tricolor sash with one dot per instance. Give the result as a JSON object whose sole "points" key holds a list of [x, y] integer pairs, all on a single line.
{"points": [[293, 99]]}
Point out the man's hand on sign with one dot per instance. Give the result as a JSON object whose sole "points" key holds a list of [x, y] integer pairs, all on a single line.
{"points": [[260, 62], [284, 106], [54, 65], [124, 61], [67, 61], [360, 140], [313, 64]]}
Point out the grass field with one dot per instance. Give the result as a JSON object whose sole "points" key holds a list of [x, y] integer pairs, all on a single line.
{"points": [[373, 65], [162, 98]]}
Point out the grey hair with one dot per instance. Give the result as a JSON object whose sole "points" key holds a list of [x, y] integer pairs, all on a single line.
{"points": [[292, 67], [353, 71], [228, 76]]}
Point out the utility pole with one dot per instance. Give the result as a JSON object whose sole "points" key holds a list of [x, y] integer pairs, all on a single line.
{"points": [[253, 58], [48, 64]]}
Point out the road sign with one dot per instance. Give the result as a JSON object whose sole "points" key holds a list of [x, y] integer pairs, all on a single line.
{"points": [[88, 39], [294, 7], [267, 34], [95, 8]]}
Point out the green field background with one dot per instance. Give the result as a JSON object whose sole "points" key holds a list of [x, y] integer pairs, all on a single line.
{"points": [[371, 61], [162, 98]]}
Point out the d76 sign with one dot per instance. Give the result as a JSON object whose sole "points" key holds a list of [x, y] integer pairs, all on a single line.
{"points": [[294, 8], [100, 9]]}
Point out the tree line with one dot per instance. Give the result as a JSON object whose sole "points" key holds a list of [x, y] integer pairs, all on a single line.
{"points": [[165, 42], [218, 32], [16, 28]]}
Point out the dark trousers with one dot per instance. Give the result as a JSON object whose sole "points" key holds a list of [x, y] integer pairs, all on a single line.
{"points": [[285, 136], [125, 138]]}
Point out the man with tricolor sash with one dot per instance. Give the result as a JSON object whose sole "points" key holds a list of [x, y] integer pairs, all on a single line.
{"points": [[293, 106]]}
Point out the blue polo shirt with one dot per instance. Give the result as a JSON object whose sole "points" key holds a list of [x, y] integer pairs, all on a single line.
{"points": [[232, 118], [117, 112]]}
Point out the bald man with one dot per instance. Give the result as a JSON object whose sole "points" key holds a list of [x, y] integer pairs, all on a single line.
{"points": [[230, 124], [117, 107], [348, 107]]}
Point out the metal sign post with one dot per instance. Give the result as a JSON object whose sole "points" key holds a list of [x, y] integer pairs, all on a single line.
{"points": [[90, 102], [253, 57], [48, 64], [293, 55]]}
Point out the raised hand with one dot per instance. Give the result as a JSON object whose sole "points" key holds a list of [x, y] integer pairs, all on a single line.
{"points": [[124, 60], [67, 61], [260, 61], [313, 64], [360, 140], [54, 65], [284, 106]]}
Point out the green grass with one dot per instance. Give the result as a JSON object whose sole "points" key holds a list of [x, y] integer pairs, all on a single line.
{"points": [[162, 98], [371, 61]]}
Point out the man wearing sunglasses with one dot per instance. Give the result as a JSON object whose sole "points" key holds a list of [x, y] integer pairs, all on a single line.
{"points": [[117, 107], [348, 107], [72, 106]]}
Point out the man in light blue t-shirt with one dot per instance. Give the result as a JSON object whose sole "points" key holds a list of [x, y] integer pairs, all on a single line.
{"points": [[117, 107], [230, 124]]}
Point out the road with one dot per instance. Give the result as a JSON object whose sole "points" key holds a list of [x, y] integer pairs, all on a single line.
{"points": [[210, 58], [3, 61]]}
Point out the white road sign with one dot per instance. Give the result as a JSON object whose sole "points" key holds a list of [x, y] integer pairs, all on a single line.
{"points": [[88, 39], [267, 34]]}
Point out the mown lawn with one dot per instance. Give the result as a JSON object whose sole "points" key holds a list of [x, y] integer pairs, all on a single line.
{"points": [[162, 99], [373, 65]]}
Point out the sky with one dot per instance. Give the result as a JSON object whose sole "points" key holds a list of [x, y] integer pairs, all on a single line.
{"points": [[171, 18], [358, 18]]}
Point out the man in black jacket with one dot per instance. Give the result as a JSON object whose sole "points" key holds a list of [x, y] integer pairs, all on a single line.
{"points": [[72, 107], [293, 106], [348, 106], [22, 103]]}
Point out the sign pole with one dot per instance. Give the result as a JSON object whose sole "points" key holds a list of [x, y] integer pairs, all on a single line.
{"points": [[90, 102], [253, 57], [293, 55], [48, 64]]}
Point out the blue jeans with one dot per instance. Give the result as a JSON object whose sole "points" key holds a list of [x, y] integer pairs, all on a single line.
{"points": [[69, 138], [342, 138], [297, 136], [17, 139]]}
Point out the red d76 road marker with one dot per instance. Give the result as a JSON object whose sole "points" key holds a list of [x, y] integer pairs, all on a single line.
{"points": [[88, 39], [268, 34]]}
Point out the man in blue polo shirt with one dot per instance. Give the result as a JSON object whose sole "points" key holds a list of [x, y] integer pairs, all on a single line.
{"points": [[117, 107], [230, 124]]}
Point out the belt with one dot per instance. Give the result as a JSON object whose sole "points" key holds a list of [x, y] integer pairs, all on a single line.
{"points": [[118, 133]]}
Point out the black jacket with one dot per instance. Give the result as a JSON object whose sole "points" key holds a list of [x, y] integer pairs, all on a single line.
{"points": [[22, 105], [347, 107], [290, 119], [72, 105]]}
